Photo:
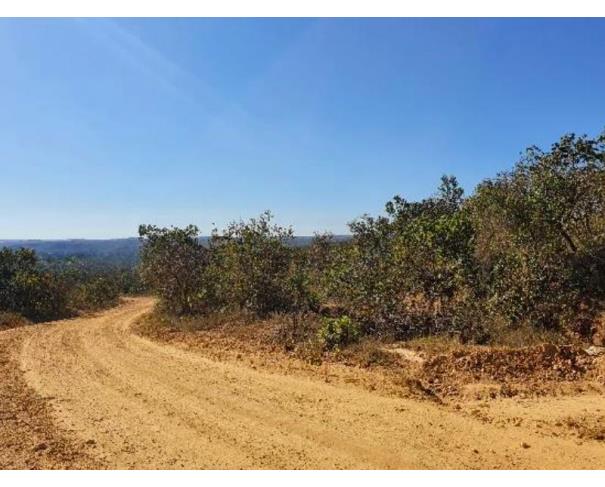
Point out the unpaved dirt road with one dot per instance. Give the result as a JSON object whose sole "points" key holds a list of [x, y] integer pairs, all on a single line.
{"points": [[134, 403]]}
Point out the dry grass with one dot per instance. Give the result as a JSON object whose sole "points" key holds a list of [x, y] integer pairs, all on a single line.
{"points": [[367, 353], [433, 345], [499, 336], [12, 320], [526, 335]]}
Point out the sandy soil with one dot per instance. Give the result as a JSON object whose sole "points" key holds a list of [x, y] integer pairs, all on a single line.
{"points": [[115, 399], [29, 437]]}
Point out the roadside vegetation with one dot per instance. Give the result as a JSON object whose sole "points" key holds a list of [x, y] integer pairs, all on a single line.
{"points": [[519, 261], [35, 290]]}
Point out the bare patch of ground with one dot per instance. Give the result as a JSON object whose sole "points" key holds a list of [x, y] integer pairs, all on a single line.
{"points": [[578, 417]]}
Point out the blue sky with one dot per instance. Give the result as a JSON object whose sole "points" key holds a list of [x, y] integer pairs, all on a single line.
{"points": [[105, 124]]}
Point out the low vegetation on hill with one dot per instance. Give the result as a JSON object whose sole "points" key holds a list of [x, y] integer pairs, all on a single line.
{"points": [[524, 255], [33, 290]]}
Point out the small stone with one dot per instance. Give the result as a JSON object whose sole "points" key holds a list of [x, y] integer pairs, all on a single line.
{"points": [[40, 447], [595, 351], [525, 445]]}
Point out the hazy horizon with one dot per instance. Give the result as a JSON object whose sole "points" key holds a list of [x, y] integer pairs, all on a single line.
{"points": [[119, 238]]}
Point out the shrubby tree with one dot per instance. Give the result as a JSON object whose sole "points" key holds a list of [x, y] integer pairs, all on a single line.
{"points": [[528, 248], [173, 264], [318, 258], [95, 293], [250, 267], [541, 234], [255, 268], [402, 272]]}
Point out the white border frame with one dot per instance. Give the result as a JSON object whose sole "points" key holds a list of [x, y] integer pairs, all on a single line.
{"points": [[303, 8]]}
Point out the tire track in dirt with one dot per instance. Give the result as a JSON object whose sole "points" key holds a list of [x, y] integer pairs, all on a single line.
{"points": [[141, 404]]}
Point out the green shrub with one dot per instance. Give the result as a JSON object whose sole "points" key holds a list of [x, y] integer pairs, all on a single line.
{"points": [[249, 267], [405, 273], [95, 294], [254, 268], [173, 264], [338, 332]]}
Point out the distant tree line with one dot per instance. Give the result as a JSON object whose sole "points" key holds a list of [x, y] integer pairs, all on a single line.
{"points": [[526, 249]]}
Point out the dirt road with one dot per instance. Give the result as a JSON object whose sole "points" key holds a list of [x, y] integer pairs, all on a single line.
{"points": [[134, 403]]}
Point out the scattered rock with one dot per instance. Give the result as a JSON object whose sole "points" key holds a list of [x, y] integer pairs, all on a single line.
{"points": [[40, 447], [595, 351]]}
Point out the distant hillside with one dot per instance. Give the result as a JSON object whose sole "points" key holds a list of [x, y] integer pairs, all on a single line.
{"points": [[123, 251]]}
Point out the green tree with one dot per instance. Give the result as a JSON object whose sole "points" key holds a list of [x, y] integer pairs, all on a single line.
{"points": [[541, 233], [256, 268], [403, 272], [173, 264]]}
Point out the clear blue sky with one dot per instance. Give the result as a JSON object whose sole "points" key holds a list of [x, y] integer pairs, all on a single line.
{"points": [[105, 124]]}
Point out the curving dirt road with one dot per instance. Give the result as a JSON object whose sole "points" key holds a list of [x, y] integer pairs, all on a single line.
{"points": [[140, 404]]}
